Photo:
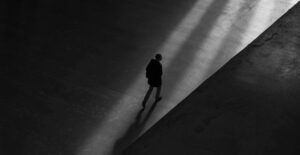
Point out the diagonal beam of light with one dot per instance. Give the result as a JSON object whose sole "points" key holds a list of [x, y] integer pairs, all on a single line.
{"points": [[195, 73], [225, 40], [123, 112]]}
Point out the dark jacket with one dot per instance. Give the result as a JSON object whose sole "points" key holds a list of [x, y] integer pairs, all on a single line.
{"points": [[154, 73]]}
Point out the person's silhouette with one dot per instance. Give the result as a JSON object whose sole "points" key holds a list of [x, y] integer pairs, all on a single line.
{"points": [[153, 74]]}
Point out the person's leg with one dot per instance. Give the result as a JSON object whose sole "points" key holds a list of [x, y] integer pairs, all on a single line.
{"points": [[157, 96], [147, 96]]}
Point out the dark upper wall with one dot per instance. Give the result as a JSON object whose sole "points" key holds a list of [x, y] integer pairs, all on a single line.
{"points": [[74, 35], [59, 56]]}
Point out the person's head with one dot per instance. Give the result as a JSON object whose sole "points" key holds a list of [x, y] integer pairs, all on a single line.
{"points": [[158, 57]]}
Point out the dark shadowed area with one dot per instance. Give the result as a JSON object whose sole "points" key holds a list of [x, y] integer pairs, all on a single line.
{"points": [[65, 63]]}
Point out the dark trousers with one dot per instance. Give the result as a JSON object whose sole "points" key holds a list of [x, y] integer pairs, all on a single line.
{"points": [[157, 95]]}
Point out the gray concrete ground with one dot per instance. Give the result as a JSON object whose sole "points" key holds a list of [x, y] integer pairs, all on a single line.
{"points": [[249, 107], [72, 71]]}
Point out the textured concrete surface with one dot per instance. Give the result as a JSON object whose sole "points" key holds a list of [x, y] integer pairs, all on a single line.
{"points": [[249, 107], [72, 71]]}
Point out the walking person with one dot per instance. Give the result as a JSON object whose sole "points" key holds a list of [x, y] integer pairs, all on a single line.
{"points": [[154, 74]]}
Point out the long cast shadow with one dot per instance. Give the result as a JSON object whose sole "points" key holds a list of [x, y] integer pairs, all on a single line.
{"points": [[187, 51], [134, 130]]}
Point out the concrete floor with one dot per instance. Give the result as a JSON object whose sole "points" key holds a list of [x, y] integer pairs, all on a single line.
{"points": [[249, 107], [73, 72]]}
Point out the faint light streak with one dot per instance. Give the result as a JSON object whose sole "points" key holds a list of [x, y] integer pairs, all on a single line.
{"points": [[121, 116], [122, 113], [171, 47], [280, 7], [103, 140], [196, 72], [262, 16]]}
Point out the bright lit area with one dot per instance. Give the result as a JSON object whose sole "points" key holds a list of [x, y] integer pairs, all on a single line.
{"points": [[209, 35]]}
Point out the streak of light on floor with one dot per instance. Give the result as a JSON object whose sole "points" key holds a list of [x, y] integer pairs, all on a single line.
{"points": [[125, 110], [103, 144]]}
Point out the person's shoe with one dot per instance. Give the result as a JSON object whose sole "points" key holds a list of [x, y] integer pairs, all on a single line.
{"points": [[158, 99]]}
